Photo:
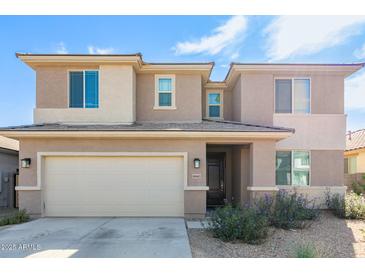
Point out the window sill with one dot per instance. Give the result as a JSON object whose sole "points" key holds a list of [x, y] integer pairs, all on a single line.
{"points": [[214, 118], [292, 114], [291, 186], [164, 108]]}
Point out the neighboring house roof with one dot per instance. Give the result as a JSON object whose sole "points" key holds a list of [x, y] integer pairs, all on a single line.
{"points": [[355, 140], [204, 126], [8, 143]]}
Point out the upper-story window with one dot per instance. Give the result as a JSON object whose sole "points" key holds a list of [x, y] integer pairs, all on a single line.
{"points": [[165, 92], [292, 95], [84, 89], [215, 104]]}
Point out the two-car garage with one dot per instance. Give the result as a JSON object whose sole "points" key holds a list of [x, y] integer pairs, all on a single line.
{"points": [[125, 184]]}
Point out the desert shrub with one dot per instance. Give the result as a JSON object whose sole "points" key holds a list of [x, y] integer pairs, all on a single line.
{"points": [[358, 188], [348, 206], [20, 217], [233, 223], [306, 251], [287, 210]]}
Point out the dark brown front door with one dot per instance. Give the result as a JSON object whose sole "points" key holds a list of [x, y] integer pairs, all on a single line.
{"points": [[215, 176]]}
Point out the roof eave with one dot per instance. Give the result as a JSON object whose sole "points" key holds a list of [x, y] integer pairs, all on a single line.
{"points": [[160, 134], [345, 69], [35, 60]]}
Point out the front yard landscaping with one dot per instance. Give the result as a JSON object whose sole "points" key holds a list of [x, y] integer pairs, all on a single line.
{"points": [[294, 227], [13, 216]]}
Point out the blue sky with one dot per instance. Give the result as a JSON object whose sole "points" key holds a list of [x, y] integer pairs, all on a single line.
{"points": [[222, 39]]}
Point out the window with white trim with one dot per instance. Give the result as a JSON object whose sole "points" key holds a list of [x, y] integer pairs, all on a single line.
{"points": [[351, 165], [84, 89], [292, 95], [293, 168], [164, 91], [215, 104]]}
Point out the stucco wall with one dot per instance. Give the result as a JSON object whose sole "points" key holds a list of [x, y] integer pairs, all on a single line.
{"points": [[253, 95], [360, 164], [236, 100], [257, 98], [30, 147], [327, 168], [240, 174], [116, 96], [188, 99], [327, 94], [262, 163], [317, 131], [51, 86]]}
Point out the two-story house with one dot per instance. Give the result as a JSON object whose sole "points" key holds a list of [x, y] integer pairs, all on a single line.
{"points": [[116, 136]]}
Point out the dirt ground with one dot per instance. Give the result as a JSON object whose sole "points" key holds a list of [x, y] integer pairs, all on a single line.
{"points": [[329, 235]]}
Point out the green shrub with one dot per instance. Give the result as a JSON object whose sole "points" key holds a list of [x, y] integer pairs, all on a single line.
{"points": [[306, 251], [232, 223], [287, 210], [20, 217], [358, 188], [348, 206]]}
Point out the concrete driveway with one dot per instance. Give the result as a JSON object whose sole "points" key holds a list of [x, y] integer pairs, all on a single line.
{"points": [[96, 237]]}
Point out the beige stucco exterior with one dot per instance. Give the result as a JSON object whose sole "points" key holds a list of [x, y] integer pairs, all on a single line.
{"points": [[127, 95], [30, 148], [188, 99], [245, 163], [116, 97], [313, 131], [327, 168], [359, 155]]}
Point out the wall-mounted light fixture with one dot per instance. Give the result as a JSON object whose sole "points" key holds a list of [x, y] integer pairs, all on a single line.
{"points": [[196, 163], [25, 163]]}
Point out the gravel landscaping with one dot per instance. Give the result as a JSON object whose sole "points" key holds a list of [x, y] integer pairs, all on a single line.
{"points": [[329, 235]]}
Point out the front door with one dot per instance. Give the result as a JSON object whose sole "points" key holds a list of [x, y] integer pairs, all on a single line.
{"points": [[215, 175]]}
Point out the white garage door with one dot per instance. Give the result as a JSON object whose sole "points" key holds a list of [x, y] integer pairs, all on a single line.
{"points": [[113, 186]]}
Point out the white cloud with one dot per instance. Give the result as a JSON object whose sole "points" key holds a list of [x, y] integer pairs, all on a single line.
{"points": [[289, 36], [96, 50], [355, 92], [360, 53], [61, 48], [235, 55], [221, 37]]}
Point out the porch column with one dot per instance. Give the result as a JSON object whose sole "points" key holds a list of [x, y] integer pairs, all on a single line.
{"points": [[262, 167]]}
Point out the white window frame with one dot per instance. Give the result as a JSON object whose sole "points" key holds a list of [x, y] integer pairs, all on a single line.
{"points": [[349, 169], [84, 85], [157, 92], [292, 169], [220, 92], [293, 94]]}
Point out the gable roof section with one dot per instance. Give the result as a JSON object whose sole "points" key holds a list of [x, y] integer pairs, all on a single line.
{"points": [[355, 140]]}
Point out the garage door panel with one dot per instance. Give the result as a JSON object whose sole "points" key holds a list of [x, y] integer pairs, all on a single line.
{"points": [[110, 210], [115, 198], [114, 186]]}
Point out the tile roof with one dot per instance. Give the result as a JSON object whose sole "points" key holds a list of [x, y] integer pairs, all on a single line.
{"points": [[355, 140], [205, 126]]}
